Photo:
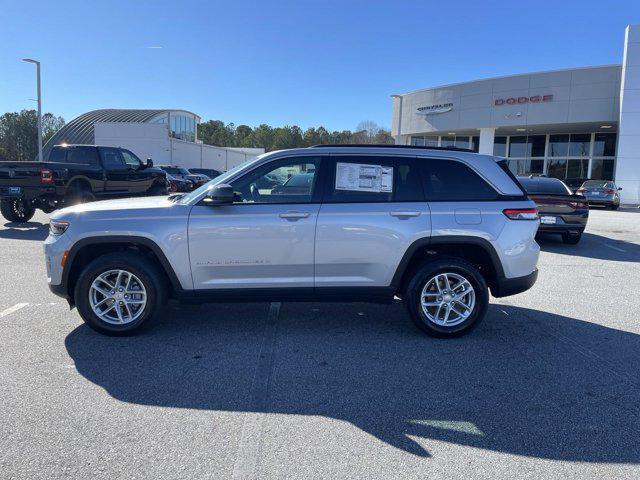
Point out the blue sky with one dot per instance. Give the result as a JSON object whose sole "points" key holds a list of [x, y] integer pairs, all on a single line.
{"points": [[331, 63]]}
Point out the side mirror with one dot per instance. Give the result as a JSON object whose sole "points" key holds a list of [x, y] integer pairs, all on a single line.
{"points": [[149, 163], [220, 195], [619, 188]]}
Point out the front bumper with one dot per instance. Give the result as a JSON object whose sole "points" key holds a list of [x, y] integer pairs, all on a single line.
{"points": [[60, 291], [510, 286], [54, 248]]}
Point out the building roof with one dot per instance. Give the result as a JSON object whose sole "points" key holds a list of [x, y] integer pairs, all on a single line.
{"points": [[80, 130]]}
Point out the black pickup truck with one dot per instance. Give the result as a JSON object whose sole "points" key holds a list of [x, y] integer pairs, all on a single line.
{"points": [[75, 174]]}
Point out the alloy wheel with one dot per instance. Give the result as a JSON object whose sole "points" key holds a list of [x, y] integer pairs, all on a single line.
{"points": [[447, 299], [117, 297]]}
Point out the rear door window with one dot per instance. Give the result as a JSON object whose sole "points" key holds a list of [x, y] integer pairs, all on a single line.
{"points": [[82, 155], [450, 180], [373, 179], [57, 155]]}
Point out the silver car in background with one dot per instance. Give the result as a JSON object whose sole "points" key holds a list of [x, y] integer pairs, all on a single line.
{"points": [[601, 192]]}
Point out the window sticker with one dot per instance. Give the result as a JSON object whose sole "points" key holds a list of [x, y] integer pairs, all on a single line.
{"points": [[359, 177]]}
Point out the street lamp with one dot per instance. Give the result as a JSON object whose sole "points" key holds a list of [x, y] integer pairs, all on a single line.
{"points": [[30, 60]]}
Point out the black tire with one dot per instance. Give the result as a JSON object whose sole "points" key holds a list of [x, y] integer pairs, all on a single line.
{"points": [[78, 194], [428, 271], [614, 206], [158, 189], [150, 275], [571, 238], [17, 210]]}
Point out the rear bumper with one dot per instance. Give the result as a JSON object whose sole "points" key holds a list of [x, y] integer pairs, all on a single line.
{"points": [[602, 201], [27, 192], [562, 228], [510, 286]]}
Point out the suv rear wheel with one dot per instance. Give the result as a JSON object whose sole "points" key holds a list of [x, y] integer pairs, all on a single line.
{"points": [[447, 297], [119, 293]]}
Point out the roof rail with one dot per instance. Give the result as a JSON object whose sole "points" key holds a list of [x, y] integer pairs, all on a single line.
{"points": [[382, 145]]}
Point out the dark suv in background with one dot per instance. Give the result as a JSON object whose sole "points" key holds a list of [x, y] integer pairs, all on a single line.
{"points": [[560, 210]]}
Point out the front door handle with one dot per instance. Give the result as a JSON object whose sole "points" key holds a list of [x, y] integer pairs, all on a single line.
{"points": [[400, 214], [294, 215]]}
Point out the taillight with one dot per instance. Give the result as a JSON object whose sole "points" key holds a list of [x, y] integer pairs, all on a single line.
{"points": [[46, 176], [521, 213], [579, 205], [610, 191], [580, 190]]}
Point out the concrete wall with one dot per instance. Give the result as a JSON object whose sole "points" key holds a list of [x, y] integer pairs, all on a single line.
{"points": [[146, 140], [628, 158], [578, 95], [149, 140]]}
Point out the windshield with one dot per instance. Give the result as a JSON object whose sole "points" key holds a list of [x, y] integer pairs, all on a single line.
{"points": [[595, 184], [220, 179]]}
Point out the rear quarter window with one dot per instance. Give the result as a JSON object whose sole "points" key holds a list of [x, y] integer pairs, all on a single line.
{"points": [[450, 180]]}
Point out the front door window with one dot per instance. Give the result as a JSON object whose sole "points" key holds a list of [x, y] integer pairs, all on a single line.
{"points": [[283, 181]]}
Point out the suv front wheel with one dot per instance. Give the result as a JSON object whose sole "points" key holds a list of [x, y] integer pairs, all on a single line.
{"points": [[119, 293], [447, 297]]}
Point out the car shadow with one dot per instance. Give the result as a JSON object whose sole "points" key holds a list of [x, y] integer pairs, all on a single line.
{"points": [[25, 231], [525, 382], [592, 246]]}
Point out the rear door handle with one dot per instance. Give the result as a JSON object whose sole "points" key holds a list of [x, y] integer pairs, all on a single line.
{"points": [[404, 214], [294, 215]]}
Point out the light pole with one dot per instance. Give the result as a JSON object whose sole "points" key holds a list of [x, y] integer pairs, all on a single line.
{"points": [[30, 60]]}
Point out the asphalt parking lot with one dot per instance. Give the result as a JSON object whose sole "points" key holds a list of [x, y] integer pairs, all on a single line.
{"points": [[547, 386]]}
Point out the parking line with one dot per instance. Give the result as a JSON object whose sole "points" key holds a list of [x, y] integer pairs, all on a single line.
{"points": [[250, 447], [614, 248], [10, 310]]}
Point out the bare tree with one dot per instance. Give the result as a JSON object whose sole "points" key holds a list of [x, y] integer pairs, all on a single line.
{"points": [[371, 127]]}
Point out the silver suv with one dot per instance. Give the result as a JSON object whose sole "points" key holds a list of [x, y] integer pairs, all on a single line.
{"points": [[438, 228]]}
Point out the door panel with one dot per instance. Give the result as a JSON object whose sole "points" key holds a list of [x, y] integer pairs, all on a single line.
{"points": [[264, 240], [139, 178], [252, 245], [361, 244]]}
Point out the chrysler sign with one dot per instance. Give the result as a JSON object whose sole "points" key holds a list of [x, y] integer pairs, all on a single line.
{"points": [[433, 109], [519, 100]]}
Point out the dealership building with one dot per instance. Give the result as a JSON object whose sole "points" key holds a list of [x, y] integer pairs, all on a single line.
{"points": [[573, 123]]}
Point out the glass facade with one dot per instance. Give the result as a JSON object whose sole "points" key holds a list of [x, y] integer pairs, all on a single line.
{"points": [[563, 156], [180, 126], [460, 141]]}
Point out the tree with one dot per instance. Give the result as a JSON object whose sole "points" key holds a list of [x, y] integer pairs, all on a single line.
{"points": [[19, 133], [369, 126]]}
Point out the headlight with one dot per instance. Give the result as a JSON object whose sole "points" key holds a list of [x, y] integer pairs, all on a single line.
{"points": [[58, 227]]}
